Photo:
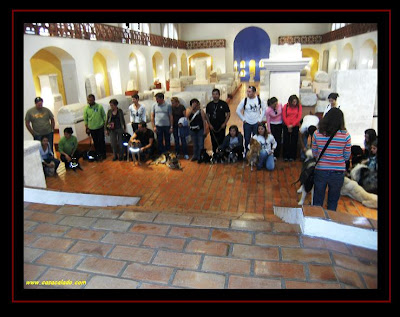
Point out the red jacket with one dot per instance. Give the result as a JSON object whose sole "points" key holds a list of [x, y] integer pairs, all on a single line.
{"points": [[292, 115]]}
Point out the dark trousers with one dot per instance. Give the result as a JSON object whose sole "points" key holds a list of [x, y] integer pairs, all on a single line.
{"points": [[217, 138], [77, 155], [99, 141], [290, 142], [180, 138], [198, 142], [163, 135], [276, 131], [52, 159], [116, 142]]}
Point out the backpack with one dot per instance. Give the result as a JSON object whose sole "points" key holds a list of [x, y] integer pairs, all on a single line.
{"points": [[245, 102]]}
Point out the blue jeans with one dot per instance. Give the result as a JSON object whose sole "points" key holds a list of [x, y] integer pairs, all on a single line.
{"points": [[249, 130], [334, 180], [266, 160], [163, 135], [198, 142], [180, 134], [305, 139]]}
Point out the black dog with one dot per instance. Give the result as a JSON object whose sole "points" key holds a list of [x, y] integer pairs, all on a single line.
{"points": [[74, 164], [218, 156], [204, 157]]}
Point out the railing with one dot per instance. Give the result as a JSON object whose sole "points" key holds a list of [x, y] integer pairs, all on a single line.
{"points": [[100, 32], [349, 30]]}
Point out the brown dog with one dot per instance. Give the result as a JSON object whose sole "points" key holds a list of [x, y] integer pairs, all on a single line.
{"points": [[254, 152]]}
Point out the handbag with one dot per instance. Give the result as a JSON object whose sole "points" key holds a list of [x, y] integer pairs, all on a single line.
{"points": [[308, 174]]}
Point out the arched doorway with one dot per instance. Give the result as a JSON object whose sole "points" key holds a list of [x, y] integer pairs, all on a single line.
{"points": [[54, 78], [173, 66], [251, 43], [158, 68], [107, 74], [192, 63], [313, 66], [184, 65], [368, 55], [347, 57], [133, 71]]}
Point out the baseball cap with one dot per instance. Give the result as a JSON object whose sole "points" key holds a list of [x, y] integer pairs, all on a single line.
{"points": [[37, 99]]}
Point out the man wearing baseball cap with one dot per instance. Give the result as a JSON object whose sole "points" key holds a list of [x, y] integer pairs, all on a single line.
{"points": [[39, 121]]}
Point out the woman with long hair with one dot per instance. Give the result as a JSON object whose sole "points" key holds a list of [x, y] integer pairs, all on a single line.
{"points": [[268, 146], [273, 115], [233, 142], [330, 170], [291, 115]]}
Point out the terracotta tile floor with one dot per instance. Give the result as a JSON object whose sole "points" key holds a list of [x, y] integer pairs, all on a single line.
{"points": [[122, 247]]}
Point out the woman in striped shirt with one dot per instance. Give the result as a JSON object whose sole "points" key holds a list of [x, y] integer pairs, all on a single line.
{"points": [[332, 165]]}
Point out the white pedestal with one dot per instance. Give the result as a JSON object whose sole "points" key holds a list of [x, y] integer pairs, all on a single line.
{"points": [[284, 64], [33, 169], [283, 85]]}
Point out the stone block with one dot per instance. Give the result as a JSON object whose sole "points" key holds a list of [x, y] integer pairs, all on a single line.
{"points": [[308, 99], [321, 77], [324, 93]]}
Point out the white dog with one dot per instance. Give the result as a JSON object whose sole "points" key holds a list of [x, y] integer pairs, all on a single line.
{"points": [[352, 189]]}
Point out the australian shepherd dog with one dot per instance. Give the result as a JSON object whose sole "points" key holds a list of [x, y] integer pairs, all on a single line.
{"points": [[308, 164]]}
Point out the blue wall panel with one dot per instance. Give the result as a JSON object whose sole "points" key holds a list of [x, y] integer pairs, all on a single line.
{"points": [[251, 43]]}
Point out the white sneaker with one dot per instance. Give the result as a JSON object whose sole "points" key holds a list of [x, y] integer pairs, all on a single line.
{"points": [[186, 157]]}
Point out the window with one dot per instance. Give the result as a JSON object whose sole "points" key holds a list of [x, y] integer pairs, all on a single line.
{"points": [[170, 31], [336, 26]]}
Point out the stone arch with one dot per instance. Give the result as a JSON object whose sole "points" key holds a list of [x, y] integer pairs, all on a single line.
{"points": [[173, 65], [198, 55], [368, 55], [106, 63]]}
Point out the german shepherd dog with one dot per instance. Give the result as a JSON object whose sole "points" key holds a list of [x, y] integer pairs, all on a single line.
{"points": [[170, 159], [253, 154]]}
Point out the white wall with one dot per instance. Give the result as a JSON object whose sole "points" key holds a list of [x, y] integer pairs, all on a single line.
{"points": [[81, 52]]}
